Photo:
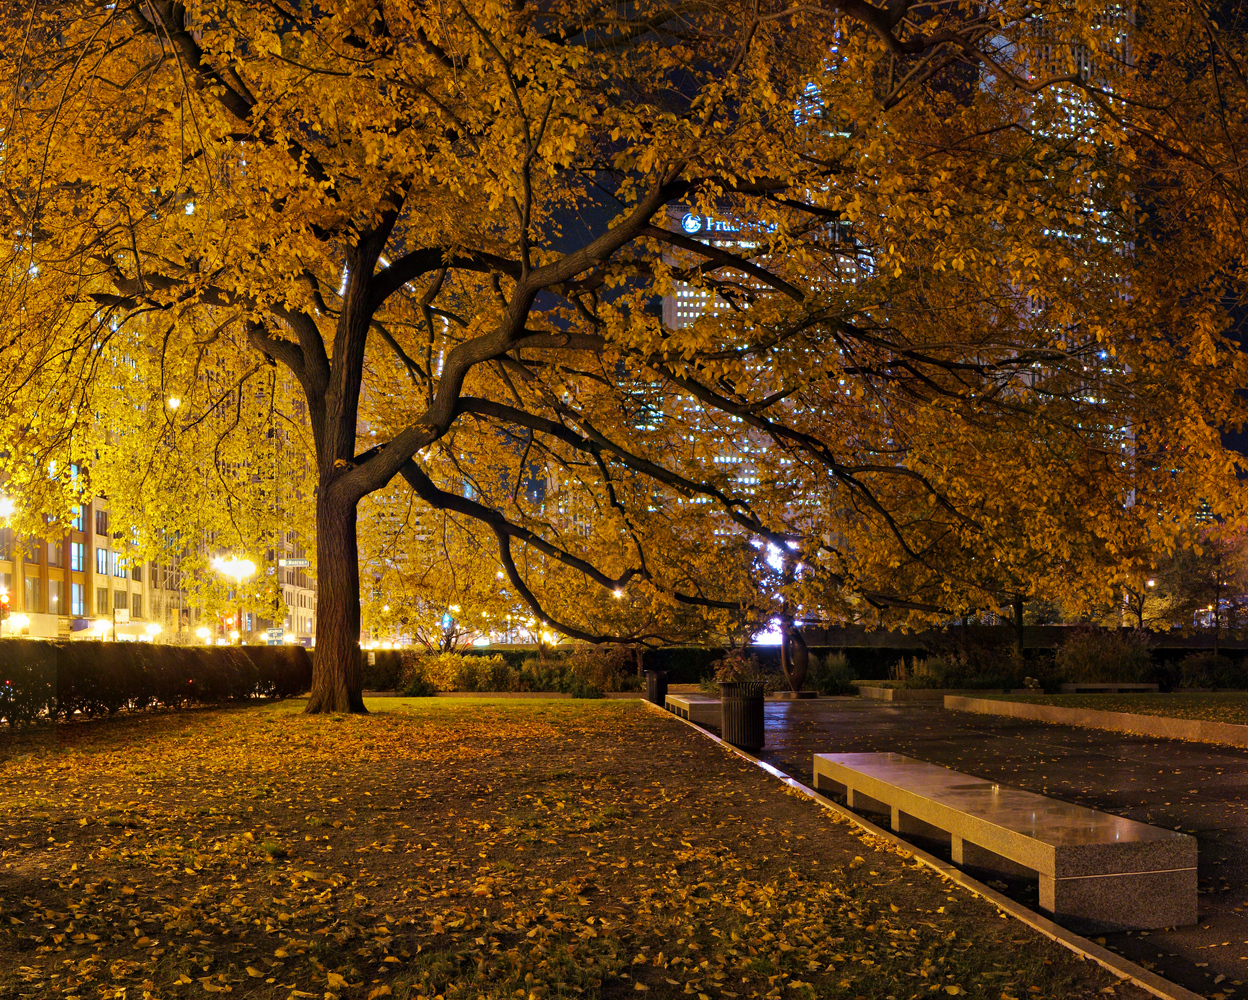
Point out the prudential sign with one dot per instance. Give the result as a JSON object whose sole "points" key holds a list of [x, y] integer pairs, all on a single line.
{"points": [[692, 224]]}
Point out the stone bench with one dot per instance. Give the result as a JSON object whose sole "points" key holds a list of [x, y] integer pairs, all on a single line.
{"points": [[699, 708], [1106, 688], [1101, 871]]}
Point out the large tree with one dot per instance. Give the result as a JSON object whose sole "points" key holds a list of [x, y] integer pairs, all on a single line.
{"points": [[447, 227]]}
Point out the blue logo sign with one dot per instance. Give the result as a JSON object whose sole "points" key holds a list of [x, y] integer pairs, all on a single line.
{"points": [[691, 223]]}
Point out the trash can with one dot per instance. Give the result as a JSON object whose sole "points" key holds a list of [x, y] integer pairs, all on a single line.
{"points": [[656, 687], [741, 719]]}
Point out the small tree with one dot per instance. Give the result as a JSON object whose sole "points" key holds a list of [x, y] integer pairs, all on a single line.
{"points": [[1204, 584]]}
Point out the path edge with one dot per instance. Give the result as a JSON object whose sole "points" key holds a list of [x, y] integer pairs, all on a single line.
{"points": [[1081, 946], [1155, 726]]}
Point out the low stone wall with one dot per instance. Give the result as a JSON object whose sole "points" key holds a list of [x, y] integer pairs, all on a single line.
{"points": [[909, 694], [1157, 726]]}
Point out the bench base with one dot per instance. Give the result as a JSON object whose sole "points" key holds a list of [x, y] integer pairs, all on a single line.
{"points": [[1131, 901]]}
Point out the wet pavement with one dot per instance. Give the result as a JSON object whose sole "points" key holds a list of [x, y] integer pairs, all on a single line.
{"points": [[1198, 788]]}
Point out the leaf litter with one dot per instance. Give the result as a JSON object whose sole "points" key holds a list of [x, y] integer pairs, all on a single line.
{"points": [[448, 849]]}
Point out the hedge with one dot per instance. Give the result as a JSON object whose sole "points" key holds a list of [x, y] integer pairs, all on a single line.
{"points": [[391, 669], [49, 678]]}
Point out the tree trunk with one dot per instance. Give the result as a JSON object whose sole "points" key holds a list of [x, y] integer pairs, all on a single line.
{"points": [[336, 681]]}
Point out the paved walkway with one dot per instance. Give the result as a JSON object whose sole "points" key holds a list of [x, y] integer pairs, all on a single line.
{"points": [[1198, 788]]}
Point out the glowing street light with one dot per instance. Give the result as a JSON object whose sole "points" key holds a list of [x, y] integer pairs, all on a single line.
{"points": [[153, 629], [19, 621], [7, 508], [204, 633], [174, 402], [237, 570]]}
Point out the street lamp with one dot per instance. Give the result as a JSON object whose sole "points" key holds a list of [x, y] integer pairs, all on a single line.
{"points": [[203, 633], [237, 570]]}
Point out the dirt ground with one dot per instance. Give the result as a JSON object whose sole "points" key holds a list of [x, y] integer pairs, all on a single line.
{"points": [[443, 848]]}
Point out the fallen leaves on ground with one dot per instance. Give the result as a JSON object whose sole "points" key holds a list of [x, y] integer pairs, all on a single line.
{"points": [[524, 850]]}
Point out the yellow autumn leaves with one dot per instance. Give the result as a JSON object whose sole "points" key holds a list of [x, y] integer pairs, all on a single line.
{"points": [[464, 850], [904, 372]]}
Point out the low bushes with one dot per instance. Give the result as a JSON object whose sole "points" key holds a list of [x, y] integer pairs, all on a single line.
{"points": [[585, 672], [1207, 669], [383, 669], [48, 679], [1104, 656], [952, 672], [831, 674]]}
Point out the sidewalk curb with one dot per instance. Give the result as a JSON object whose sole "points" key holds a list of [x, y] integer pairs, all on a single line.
{"points": [[1081, 946], [1156, 726]]}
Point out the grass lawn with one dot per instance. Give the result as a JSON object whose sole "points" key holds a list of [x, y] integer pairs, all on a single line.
{"points": [[464, 848], [1228, 706]]}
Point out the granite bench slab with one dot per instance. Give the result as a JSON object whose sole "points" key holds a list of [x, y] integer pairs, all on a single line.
{"points": [[1102, 871], [697, 708]]}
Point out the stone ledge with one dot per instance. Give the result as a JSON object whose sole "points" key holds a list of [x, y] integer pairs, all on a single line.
{"points": [[1158, 726], [909, 694]]}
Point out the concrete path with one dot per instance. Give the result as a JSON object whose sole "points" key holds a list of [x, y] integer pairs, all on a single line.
{"points": [[1200, 789]]}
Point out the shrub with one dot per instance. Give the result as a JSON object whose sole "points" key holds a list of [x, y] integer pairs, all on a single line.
{"points": [[416, 682], [468, 675], [27, 679], [1230, 674], [736, 666], [387, 669], [542, 675], [41, 678], [584, 687], [934, 672], [283, 671], [1208, 669], [1096, 655], [595, 670], [500, 676], [426, 674], [830, 674]]}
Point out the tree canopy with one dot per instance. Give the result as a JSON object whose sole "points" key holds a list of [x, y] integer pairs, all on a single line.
{"points": [[961, 345]]}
